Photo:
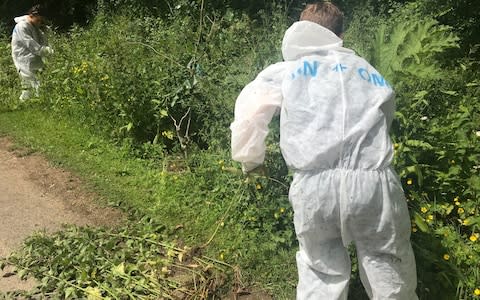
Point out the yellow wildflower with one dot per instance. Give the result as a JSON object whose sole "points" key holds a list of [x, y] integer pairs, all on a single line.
{"points": [[474, 237], [461, 210], [446, 257], [168, 134], [476, 292], [282, 210], [409, 181], [424, 209], [258, 186], [457, 203], [465, 222], [430, 217], [414, 229], [456, 199]]}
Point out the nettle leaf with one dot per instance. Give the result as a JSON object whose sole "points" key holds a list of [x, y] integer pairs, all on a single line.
{"points": [[419, 144], [70, 292], [119, 270], [22, 273]]}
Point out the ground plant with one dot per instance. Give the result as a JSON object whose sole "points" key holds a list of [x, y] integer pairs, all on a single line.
{"points": [[160, 89], [133, 262]]}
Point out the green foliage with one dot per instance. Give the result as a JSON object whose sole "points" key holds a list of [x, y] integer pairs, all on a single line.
{"points": [[134, 78], [129, 262], [408, 45], [9, 80], [194, 76], [441, 180], [409, 49], [436, 149]]}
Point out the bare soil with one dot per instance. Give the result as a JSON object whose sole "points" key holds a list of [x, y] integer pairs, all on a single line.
{"points": [[36, 196]]}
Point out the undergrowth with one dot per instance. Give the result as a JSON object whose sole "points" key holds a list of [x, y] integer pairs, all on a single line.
{"points": [[134, 261], [162, 91]]}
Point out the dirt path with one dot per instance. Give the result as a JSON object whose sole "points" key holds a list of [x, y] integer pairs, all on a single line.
{"points": [[36, 196]]}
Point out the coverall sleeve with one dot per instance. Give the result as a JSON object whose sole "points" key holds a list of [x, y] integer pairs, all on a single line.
{"points": [[26, 37], [254, 109]]}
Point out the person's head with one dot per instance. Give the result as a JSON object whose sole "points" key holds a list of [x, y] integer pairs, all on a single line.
{"points": [[36, 15], [326, 14]]}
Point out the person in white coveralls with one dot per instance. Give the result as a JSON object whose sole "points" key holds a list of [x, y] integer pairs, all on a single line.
{"points": [[335, 113], [29, 46]]}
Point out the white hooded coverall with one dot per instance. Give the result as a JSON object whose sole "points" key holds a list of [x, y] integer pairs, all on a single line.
{"points": [[28, 46], [335, 113]]}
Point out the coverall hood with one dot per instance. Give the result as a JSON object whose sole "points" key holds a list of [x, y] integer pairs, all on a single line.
{"points": [[21, 19], [307, 38]]}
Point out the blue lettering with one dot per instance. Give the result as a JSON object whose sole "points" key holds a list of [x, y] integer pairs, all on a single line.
{"points": [[308, 69], [364, 74], [339, 68], [373, 78], [378, 80]]}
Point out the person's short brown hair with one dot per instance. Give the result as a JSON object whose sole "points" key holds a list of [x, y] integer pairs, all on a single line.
{"points": [[324, 13], [36, 10]]}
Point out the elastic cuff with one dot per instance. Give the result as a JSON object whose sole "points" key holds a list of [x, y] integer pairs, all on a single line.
{"points": [[247, 167]]}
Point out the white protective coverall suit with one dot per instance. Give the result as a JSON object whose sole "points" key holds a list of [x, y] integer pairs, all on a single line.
{"points": [[29, 45], [335, 114]]}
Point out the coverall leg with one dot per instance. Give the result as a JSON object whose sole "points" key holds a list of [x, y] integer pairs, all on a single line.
{"points": [[30, 84], [335, 207]]}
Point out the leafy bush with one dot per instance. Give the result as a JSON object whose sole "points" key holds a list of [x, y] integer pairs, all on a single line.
{"points": [[137, 78]]}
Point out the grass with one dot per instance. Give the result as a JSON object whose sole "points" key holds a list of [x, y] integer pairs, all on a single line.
{"points": [[199, 207]]}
